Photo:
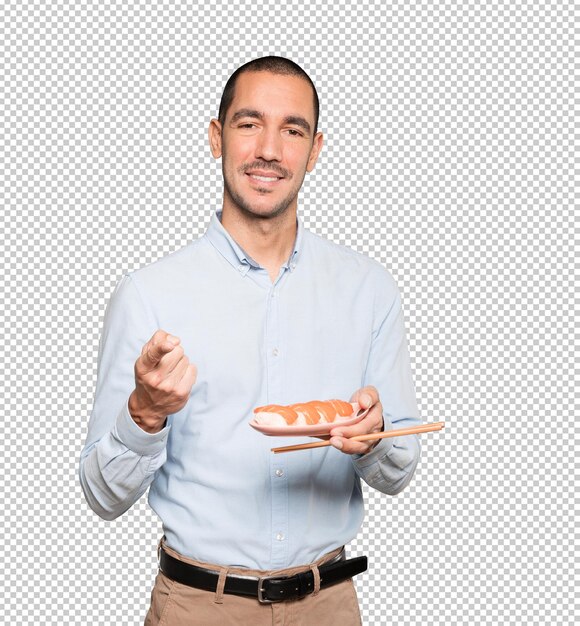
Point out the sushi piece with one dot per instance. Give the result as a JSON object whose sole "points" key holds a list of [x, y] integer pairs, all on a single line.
{"points": [[304, 413]]}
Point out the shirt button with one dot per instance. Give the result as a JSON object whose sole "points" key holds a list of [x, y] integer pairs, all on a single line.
{"points": [[275, 352], [280, 536], [279, 472]]}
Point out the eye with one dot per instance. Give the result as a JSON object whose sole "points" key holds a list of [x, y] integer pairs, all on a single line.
{"points": [[294, 133], [247, 125]]}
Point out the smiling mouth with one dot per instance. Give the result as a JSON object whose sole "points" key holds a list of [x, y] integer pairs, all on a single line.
{"points": [[264, 179]]}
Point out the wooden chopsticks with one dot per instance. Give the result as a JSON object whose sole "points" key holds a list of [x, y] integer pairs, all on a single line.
{"points": [[412, 430]]}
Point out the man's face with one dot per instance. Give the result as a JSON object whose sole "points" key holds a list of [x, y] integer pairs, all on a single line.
{"points": [[267, 143]]}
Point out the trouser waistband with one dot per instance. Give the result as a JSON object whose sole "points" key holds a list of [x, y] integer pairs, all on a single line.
{"points": [[265, 586]]}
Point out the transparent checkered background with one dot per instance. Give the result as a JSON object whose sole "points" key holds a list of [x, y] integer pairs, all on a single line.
{"points": [[448, 157]]}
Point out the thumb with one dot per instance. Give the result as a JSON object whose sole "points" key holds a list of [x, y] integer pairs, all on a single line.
{"points": [[363, 398]]}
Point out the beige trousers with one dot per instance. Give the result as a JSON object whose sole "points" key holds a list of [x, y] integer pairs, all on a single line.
{"points": [[174, 604]]}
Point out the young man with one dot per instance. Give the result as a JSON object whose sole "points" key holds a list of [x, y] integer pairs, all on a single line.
{"points": [[257, 311]]}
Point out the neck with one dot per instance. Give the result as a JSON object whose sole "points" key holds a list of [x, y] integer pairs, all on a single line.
{"points": [[268, 240]]}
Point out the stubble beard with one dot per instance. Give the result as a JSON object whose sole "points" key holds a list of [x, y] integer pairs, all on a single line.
{"points": [[247, 209]]}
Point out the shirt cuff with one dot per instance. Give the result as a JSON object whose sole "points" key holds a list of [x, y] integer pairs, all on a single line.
{"points": [[138, 440], [379, 452], [382, 449]]}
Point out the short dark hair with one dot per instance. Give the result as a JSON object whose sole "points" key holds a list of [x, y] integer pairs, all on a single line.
{"points": [[273, 64]]}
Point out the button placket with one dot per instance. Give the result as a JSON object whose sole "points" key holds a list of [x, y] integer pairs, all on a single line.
{"points": [[278, 473], [279, 486]]}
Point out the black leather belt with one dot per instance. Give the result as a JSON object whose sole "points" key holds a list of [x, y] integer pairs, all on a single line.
{"points": [[267, 588]]}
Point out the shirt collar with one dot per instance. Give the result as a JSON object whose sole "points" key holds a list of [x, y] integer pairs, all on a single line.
{"points": [[236, 255]]}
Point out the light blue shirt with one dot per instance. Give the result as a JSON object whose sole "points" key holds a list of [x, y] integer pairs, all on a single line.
{"points": [[329, 324]]}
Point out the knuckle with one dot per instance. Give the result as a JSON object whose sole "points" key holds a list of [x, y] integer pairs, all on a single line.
{"points": [[165, 385], [140, 368], [182, 395], [157, 380]]}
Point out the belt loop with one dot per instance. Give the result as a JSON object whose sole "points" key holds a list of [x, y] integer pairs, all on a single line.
{"points": [[316, 574], [219, 592]]}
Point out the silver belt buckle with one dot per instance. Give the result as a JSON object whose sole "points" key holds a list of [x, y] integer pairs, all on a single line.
{"points": [[261, 598]]}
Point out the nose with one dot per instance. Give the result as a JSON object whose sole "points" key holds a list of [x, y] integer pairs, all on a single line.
{"points": [[269, 145]]}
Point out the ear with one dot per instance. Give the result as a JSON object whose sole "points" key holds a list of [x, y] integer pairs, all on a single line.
{"points": [[215, 138], [314, 151]]}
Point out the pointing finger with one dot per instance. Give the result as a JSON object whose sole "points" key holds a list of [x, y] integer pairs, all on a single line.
{"points": [[154, 351]]}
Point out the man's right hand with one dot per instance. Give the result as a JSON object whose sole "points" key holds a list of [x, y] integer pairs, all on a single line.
{"points": [[163, 381]]}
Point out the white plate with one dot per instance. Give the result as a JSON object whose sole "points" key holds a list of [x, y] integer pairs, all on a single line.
{"points": [[313, 430]]}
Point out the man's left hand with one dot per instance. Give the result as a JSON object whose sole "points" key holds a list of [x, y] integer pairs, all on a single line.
{"points": [[367, 398]]}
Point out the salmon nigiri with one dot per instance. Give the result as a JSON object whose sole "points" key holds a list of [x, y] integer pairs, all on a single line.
{"points": [[304, 413]]}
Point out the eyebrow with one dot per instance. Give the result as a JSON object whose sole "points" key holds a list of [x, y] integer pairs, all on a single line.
{"points": [[295, 120]]}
